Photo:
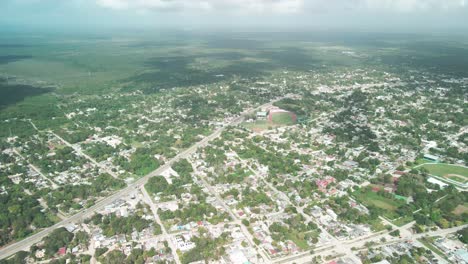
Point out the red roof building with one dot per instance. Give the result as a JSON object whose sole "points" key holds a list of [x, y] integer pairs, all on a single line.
{"points": [[62, 251]]}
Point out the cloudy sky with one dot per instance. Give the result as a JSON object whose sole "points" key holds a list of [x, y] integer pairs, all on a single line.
{"points": [[395, 15]]}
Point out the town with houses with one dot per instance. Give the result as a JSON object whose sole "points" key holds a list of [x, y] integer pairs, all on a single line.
{"points": [[343, 167]]}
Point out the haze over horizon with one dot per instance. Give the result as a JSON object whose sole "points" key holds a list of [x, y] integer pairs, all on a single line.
{"points": [[434, 16]]}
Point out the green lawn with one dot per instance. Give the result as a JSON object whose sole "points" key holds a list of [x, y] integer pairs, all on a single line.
{"points": [[283, 119], [444, 170], [278, 120], [258, 125], [371, 198], [403, 220], [301, 243], [421, 161]]}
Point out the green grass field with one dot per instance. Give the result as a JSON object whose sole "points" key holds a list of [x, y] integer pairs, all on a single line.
{"points": [[278, 120], [453, 172], [258, 125], [421, 161], [403, 220], [283, 119], [371, 198]]}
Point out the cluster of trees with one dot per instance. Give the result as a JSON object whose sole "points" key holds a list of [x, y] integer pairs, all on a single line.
{"points": [[236, 176], [63, 159], [412, 257], [338, 174], [341, 206], [113, 225], [194, 212], [292, 105], [463, 235], [78, 135], [276, 162], [59, 238], [206, 248], [19, 212], [214, 156], [137, 256], [13, 169], [234, 192], [191, 136], [142, 162], [159, 184], [230, 135], [5, 158], [18, 258], [366, 162], [429, 122], [304, 188], [436, 207], [198, 107], [66, 196], [345, 126], [253, 198], [100, 151], [295, 229], [183, 168]]}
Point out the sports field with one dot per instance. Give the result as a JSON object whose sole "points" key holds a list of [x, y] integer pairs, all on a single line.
{"points": [[273, 121], [453, 172], [285, 119]]}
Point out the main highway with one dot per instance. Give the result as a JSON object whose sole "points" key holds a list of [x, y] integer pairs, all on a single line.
{"points": [[26, 243]]}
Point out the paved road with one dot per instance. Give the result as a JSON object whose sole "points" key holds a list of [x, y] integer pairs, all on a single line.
{"points": [[166, 236], [244, 230], [53, 184], [81, 153], [359, 243], [334, 241], [26, 243]]}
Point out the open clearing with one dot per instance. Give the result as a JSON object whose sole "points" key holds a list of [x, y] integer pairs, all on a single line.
{"points": [[461, 209]]}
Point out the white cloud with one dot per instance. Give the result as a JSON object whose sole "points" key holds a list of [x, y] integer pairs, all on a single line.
{"points": [[414, 5], [257, 6], [284, 6]]}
